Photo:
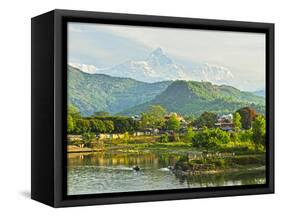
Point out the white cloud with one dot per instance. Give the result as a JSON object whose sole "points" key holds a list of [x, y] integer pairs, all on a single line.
{"points": [[243, 53]]}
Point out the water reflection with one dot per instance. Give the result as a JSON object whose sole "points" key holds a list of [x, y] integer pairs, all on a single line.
{"points": [[144, 159], [105, 172]]}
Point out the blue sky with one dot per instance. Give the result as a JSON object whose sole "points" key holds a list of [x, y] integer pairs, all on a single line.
{"points": [[107, 45]]}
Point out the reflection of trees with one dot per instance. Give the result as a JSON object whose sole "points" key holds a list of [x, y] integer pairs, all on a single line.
{"points": [[155, 160], [222, 179], [111, 177]]}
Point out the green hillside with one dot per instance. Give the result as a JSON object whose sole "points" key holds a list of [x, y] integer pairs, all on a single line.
{"points": [[98, 92], [193, 98]]}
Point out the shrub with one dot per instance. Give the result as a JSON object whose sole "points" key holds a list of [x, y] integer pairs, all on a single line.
{"points": [[87, 139], [209, 138], [246, 135], [220, 163], [189, 135], [174, 137], [183, 164], [126, 137], [164, 138]]}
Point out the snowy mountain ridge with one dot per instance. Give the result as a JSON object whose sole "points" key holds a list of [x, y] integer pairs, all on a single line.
{"points": [[159, 67]]}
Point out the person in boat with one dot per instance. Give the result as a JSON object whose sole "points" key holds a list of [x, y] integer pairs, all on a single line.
{"points": [[136, 168], [170, 167]]}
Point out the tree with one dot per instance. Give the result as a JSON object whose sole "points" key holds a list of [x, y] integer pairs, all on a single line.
{"points": [[156, 111], [82, 126], [206, 119], [70, 124], [246, 135], [109, 126], [189, 134], [100, 114], [145, 121], [259, 130], [189, 120], [248, 115], [201, 139], [174, 137], [222, 136], [209, 138], [173, 123], [164, 138], [153, 117], [237, 121], [73, 111], [124, 124], [97, 126], [87, 138]]}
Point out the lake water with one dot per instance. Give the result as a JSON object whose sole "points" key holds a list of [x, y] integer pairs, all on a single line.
{"points": [[91, 173]]}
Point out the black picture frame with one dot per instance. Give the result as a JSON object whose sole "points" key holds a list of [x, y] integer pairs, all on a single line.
{"points": [[49, 85]]}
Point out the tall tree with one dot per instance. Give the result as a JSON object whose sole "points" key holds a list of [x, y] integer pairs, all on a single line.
{"points": [[206, 119], [124, 124], [248, 115], [109, 126], [97, 126], [87, 138], [189, 134], [259, 130], [73, 111], [82, 126], [237, 121], [156, 111], [173, 123], [70, 124], [153, 117]]}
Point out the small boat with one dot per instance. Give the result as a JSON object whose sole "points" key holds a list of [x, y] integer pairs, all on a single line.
{"points": [[170, 167], [136, 168]]}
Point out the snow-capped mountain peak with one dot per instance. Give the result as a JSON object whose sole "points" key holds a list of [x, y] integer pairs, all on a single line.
{"points": [[159, 67], [157, 57], [156, 67], [213, 73], [84, 67]]}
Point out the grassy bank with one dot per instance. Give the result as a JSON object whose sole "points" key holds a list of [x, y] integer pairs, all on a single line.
{"points": [[153, 142]]}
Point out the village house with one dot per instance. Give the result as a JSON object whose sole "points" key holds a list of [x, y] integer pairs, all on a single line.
{"points": [[225, 122]]}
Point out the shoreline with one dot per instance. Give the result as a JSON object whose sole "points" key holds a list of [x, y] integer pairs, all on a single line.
{"points": [[75, 149], [219, 171]]}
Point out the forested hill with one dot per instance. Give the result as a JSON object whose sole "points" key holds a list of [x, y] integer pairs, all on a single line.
{"points": [[98, 92], [193, 98]]}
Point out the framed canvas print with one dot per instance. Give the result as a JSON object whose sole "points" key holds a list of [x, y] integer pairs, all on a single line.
{"points": [[133, 108]]}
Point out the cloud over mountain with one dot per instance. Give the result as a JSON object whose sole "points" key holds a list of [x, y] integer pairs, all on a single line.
{"points": [[159, 67]]}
